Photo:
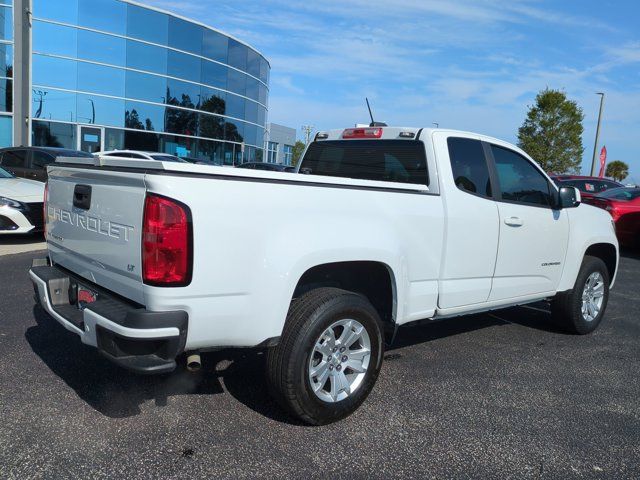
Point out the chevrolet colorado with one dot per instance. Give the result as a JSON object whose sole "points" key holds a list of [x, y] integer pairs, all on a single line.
{"points": [[382, 227]]}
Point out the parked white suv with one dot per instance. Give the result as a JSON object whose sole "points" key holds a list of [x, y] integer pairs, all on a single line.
{"points": [[387, 226], [139, 154]]}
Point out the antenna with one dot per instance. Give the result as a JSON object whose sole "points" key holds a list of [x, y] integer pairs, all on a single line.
{"points": [[373, 122]]}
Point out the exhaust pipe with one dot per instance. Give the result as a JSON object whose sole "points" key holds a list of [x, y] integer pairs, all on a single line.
{"points": [[193, 362]]}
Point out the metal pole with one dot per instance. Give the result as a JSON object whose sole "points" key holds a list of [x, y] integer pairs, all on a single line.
{"points": [[595, 146]]}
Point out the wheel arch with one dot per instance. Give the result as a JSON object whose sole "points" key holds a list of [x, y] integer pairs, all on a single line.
{"points": [[608, 254], [373, 279]]}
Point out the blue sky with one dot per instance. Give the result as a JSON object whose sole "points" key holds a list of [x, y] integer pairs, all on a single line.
{"points": [[466, 64]]}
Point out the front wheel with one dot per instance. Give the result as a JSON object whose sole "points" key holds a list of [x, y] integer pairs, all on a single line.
{"points": [[580, 310], [329, 355]]}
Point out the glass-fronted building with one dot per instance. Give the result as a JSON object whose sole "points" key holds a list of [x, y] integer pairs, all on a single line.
{"points": [[113, 74]]}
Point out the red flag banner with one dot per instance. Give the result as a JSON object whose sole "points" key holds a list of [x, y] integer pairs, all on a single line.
{"points": [[603, 160]]}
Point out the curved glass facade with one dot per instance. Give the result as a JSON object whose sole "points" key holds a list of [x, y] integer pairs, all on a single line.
{"points": [[110, 74], [6, 72]]}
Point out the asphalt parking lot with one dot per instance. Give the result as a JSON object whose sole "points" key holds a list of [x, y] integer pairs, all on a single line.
{"points": [[502, 395]]}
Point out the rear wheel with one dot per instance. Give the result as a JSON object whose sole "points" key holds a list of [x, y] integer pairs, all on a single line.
{"points": [[329, 355], [580, 310]]}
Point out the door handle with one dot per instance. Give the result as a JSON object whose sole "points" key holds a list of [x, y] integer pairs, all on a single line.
{"points": [[514, 221]]}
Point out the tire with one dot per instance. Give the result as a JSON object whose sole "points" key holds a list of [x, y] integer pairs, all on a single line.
{"points": [[308, 321], [567, 307]]}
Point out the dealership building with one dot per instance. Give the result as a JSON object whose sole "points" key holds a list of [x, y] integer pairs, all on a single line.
{"points": [[111, 74]]}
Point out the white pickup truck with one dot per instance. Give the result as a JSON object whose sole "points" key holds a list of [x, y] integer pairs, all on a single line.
{"points": [[151, 261]]}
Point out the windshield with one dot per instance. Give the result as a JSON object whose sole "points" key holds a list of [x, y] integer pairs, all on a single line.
{"points": [[624, 194], [168, 158], [5, 174], [383, 160]]}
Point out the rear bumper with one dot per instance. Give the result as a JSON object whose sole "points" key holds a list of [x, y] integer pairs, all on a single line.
{"points": [[125, 333]]}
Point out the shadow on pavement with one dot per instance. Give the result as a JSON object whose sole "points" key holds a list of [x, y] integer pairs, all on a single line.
{"points": [[117, 393]]}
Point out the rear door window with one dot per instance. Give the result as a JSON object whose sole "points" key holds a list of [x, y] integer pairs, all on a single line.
{"points": [[40, 160], [469, 166], [14, 158], [401, 161]]}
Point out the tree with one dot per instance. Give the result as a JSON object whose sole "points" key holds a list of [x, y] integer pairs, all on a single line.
{"points": [[552, 132], [298, 148], [618, 170]]}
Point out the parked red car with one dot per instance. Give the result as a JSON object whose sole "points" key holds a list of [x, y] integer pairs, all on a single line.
{"points": [[588, 186], [624, 206]]}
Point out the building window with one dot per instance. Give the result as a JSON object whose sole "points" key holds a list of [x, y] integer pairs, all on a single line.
{"points": [[272, 152], [287, 150]]}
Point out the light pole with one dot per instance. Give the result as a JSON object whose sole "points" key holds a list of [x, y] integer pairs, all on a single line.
{"points": [[595, 146], [307, 129]]}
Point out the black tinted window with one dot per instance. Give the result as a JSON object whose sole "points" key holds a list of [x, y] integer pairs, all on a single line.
{"points": [[469, 166], [41, 159], [14, 158], [384, 160], [519, 180]]}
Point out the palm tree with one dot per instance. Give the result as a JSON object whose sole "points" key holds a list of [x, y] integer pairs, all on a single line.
{"points": [[618, 170]]}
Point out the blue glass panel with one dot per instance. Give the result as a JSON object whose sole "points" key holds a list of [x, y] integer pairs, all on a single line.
{"points": [[62, 10], [53, 104], [6, 23], [147, 25], [113, 139], [50, 134], [262, 115], [250, 134], [215, 46], [101, 48], [214, 74], [143, 116], [55, 39], [211, 126], [236, 82], [185, 36], [183, 66], [6, 60], [54, 72], [6, 95], [253, 63], [180, 121], [100, 79], [235, 106], [100, 110], [142, 86], [213, 101], [6, 131], [253, 88], [260, 137], [251, 111], [237, 55], [264, 71], [183, 94], [262, 94], [105, 15], [234, 130], [210, 151], [146, 57]]}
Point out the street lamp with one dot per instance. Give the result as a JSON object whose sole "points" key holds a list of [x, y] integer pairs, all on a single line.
{"points": [[595, 146]]}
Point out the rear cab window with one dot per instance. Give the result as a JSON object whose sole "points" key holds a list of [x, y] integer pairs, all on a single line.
{"points": [[469, 166], [402, 161]]}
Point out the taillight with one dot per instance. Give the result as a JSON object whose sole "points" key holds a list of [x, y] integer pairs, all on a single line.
{"points": [[166, 242], [612, 210], [362, 133], [44, 207]]}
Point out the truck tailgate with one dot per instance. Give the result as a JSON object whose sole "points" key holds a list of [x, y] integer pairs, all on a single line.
{"points": [[94, 221]]}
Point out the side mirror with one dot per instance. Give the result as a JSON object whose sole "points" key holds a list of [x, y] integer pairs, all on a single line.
{"points": [[569, 197]]}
